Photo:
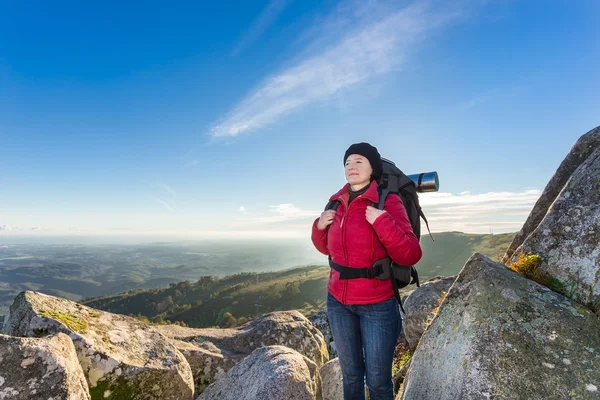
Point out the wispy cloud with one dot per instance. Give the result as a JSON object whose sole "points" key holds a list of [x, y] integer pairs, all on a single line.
{"points": [[372, 46], [277, 214], [260, 24], [288, 212], [165, 204], [162, 191], [5, 228], [469, 199], [491, 95], [467, 212], [242, 209], [166, 188]]}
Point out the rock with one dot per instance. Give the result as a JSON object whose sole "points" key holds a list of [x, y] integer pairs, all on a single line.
{"points": [[580, 151], [268, 373], [40, 368], [207, 361], [499, 335], [331, 378], [568, 237], [120, 356], [321, 322], [420, 305], [287, 328]]}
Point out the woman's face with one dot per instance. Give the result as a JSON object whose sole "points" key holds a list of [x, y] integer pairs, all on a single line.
{"points": [[358, 170]]}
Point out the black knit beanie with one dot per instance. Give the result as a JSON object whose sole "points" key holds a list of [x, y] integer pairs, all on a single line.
{"points": [[371, 153]]}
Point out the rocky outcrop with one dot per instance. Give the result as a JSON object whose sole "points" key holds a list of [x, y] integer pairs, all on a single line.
{"points": [[40, 368], [567, 238], [499, 335], [120, 356], [419, 307], [286, 328], [331, 378], [580, 152], [268, 373]]}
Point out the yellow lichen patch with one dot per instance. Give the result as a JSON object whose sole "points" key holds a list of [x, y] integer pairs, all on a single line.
{"points": [[528, 265], [72, 321], [402, 357], [405, 358], [434, 312]]}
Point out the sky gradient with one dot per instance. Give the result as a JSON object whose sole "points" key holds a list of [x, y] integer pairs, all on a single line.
{"points": [[189, 119]]}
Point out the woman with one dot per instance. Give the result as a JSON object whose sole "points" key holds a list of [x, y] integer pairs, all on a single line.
{"points": [[363, 313]]}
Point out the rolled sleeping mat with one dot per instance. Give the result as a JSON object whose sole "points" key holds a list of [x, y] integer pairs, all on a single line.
{"points": [[426, 181]]}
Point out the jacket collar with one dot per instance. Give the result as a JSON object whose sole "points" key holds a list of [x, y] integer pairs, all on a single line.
{"points": [[343, 195]]}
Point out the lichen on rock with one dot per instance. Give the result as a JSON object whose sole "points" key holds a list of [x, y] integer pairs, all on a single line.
{"points": [[500, 335], [568, 237], [120, 354], [40, 368]]}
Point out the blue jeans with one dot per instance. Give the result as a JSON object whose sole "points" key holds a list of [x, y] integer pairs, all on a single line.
{"points": [[365, 337]]}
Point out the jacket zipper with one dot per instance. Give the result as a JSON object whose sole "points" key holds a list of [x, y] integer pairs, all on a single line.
{"points": [[344, 236], [345, 252]]}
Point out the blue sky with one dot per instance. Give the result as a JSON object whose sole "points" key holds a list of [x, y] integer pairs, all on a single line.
{"points": [[231, 119]]}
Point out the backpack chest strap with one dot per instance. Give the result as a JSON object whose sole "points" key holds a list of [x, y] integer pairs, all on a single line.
{"points": [[378, 270]]}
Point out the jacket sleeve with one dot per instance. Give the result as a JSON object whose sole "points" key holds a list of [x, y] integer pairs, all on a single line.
{"points": [[319, 238], [395, 233]]}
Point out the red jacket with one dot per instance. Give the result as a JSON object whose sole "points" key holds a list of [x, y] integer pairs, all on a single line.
{"points": [[353, 242]]}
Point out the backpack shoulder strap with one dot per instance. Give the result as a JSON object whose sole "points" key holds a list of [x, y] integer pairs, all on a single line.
{"points": [[332, 205], [411, 191], [383, 194]]}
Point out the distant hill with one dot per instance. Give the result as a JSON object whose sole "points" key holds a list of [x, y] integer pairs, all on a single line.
{"points": [[78, 271], [450, 250], [235, 299]]}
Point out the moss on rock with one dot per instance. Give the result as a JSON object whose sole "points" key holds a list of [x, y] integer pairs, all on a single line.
{"points": [[72, 321], [116, 390]]}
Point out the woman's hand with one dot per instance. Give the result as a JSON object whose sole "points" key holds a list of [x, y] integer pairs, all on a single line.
{"points": [[326, 219], [372, 214]]}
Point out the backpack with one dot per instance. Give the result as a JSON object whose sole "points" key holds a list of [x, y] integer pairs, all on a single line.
{"points": [[393, 181]]}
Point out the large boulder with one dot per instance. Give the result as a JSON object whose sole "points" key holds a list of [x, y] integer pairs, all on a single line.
{"points": [[40, 368], [499, 335], [268, 373], [120, 356], [286, 328], [331, 380], [580, 152], [420, 305], [567, 239], [207, 361]]}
